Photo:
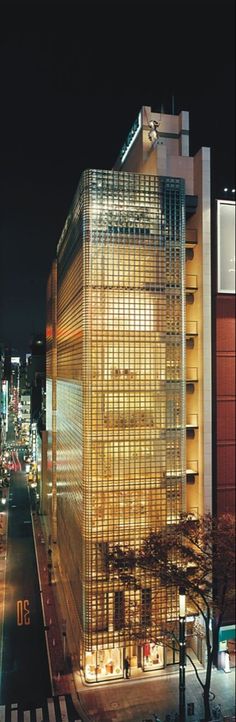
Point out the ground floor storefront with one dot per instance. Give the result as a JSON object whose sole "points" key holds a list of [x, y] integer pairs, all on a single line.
{"points": [[116, 663], [133, 660]]}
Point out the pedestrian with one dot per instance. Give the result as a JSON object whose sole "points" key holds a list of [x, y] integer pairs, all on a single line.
{"points": [[127, 667]]}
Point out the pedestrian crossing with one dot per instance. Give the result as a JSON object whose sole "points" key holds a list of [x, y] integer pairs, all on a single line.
{"points": [[54, 709]]}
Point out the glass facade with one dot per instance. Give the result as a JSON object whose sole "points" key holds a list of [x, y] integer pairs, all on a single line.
{"points": [[120, 402]]}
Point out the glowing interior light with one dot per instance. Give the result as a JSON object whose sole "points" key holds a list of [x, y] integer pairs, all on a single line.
{"points": [[182, 602]]}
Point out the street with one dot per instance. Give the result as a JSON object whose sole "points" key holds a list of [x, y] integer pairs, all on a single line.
{"points": [[25, 670], [26, 691]]}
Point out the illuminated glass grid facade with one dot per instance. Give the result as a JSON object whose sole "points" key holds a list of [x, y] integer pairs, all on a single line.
{"points": [[121, 421], [50, 493]]}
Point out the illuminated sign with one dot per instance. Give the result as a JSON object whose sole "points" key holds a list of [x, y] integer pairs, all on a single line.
{"points": [[34, 441], [130, 138], [226, 246], [15, 360], [4, 402], [4, 396]]}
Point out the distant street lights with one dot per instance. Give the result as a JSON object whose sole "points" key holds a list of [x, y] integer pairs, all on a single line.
{"points": [[229, 191], [182, 653]]}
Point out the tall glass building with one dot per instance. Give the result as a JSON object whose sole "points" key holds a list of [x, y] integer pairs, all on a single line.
{"points": [[116, 404]]}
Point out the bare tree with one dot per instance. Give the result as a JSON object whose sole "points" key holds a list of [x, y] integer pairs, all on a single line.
{"points": [[197, 555]]}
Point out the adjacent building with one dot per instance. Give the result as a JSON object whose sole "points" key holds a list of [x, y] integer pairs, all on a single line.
{"points": [[129, 382], [36, 379], [224, 396], [224, 358]]}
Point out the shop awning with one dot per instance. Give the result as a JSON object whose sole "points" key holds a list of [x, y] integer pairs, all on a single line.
{"points": [[228, 632]]}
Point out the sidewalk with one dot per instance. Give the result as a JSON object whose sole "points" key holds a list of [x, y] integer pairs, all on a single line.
{"points": [[62, 679], [134, 700], [3, 548]]}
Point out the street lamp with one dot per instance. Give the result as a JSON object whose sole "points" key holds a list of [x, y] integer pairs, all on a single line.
{"points": [[64, 637], [182, 653]]}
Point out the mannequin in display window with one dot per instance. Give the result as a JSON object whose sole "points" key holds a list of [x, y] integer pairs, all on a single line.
{"points": [[146, 651], [155, 655]]}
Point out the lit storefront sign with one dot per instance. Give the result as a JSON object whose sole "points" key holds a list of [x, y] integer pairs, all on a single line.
{"points": [[34, 441], [5, 403], [226, 246], [130, 138]]}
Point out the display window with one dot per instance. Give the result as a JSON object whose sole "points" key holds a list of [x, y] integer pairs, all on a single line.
{"points": [[153, 656], [103, 664]]}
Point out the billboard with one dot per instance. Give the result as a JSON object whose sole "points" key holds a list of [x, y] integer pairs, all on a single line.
{"points": [[225, 246]]}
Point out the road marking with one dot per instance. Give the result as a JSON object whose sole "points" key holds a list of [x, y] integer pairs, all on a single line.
{"points": [[22, 612], [63, 708], [51, 711]]}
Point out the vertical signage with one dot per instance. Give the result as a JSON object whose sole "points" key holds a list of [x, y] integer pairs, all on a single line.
{"points": [[34, 441], [5, 403]]}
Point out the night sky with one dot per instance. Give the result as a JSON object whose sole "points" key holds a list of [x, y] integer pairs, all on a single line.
{"points": [[73, 78]]}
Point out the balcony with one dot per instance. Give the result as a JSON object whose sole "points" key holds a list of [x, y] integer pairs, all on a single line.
{"points": [[191, 237], [191, 425], [191, 374], [191, 471], [192, 421], [191, 328], [191, 284]]}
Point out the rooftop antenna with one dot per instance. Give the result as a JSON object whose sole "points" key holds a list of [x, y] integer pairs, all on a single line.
{"points": [[173, 105]]}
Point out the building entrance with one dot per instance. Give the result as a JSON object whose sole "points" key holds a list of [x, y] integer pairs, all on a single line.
{"points": [[172, 652]]}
